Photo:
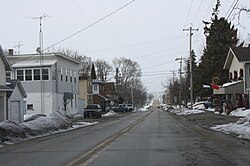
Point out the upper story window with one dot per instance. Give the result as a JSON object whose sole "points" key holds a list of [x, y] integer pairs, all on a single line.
{"points": [[74, 77], [45, 74], [20, 75], [61, 74], [241, 74], [37, 74], [32, 74], [235, 75], [28, 75], [71, 78], [66, 75]]}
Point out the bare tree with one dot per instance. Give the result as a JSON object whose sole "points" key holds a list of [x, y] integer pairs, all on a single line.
{"points": [[84, 60], [103, 69], [128, 78]]}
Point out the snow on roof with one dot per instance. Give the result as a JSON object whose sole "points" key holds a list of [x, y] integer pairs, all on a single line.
{"points": [[34, 63], [230, 83]]}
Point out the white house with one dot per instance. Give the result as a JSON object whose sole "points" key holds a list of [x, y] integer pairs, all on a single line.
{"points": [[237, 89], [16, 101], [50, 81], [4, 66]]}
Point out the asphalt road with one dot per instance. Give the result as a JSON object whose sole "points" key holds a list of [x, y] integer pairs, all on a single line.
{"points": [[165, 139], [155, 137]]}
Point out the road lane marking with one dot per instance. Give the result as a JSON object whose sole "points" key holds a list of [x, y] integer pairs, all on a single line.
{"points": [[90, 155]]}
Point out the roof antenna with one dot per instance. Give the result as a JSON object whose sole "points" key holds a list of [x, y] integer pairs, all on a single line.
{"points": [[18, 45]]}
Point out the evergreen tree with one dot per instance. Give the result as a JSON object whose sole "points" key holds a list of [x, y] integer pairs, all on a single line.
{"points": [[220, 35]]}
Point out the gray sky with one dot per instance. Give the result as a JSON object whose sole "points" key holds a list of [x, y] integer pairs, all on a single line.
{"points": [[149, 32]]}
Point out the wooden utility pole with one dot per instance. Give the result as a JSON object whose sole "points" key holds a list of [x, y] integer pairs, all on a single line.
{"points": [[190, 60]]}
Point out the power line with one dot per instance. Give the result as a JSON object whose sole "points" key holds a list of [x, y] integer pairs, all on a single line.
{"points": [[92, 24], [237, 1], [136, 44], [101, 19]]}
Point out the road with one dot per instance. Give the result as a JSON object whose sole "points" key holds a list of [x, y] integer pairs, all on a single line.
{"points": [[147, 138]]}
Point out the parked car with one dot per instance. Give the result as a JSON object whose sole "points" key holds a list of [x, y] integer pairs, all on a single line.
{"points": [[120, 108], [130, 107], [93, 110]]}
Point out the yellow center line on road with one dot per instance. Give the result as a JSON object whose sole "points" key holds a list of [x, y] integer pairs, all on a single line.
{"points": [[90, 155]]}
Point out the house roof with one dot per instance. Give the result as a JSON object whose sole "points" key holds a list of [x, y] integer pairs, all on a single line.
{"points": [[4, 59], [25, 60], [13, 83], [33, 63], [241, 53]]}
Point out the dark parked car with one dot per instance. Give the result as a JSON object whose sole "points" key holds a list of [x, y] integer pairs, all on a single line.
{"points": [[93, 110]]}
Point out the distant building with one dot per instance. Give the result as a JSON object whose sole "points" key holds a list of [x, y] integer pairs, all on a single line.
{"points": [[104, 93], [85, 84], [50, 81]]}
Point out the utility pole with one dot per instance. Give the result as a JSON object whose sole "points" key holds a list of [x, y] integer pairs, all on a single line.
{"points": [[180, 72], [190, 60]]}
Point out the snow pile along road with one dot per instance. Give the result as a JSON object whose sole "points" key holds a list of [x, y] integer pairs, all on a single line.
{"points": [[241, 128], [11, 132], [185, 111]]}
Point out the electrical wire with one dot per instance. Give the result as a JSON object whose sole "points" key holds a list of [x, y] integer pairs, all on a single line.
{"points": [[85, 28], [92, 24]]}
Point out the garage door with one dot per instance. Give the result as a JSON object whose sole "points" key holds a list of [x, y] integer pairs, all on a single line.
{"points": [[15, 111]]}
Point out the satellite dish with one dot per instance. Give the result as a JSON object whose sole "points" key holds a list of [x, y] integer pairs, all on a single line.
{"points": [[38, 50]]}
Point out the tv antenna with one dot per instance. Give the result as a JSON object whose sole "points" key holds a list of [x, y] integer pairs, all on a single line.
{"points": [[40, 51], [18, 46], [40, 18]]}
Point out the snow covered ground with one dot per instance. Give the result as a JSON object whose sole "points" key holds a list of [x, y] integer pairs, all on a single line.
{"points": [[36, 126], [240, 128]]}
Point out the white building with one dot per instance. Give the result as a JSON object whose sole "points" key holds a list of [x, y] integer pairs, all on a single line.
{"points": [[50, 81]]}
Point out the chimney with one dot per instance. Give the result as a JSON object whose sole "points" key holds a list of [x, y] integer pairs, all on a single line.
{"points": [[11, 52]]}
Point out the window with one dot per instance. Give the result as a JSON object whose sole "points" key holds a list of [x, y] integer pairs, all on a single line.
{"points": [[71, 79], [28, 75], [230, 76], [241, 74], [37, 74], [95, 87], [8, 75], [235, 75], [20, 75], [74, 77], [45, 74], [61, 74], [30, 107], [66, 77]]}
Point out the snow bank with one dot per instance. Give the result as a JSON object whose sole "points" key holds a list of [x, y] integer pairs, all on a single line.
{"points": [[11, 132], [240, 112], [240, 128], [110, 113], [185, 111]]}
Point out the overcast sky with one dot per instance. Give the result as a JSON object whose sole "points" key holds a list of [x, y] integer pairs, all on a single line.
{"points": [[149, 32]]}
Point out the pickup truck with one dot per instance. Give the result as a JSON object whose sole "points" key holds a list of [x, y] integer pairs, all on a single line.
{"points": [[93, 110]]}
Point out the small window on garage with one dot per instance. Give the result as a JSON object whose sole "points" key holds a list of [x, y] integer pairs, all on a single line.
{"points": [[30, 107]]}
